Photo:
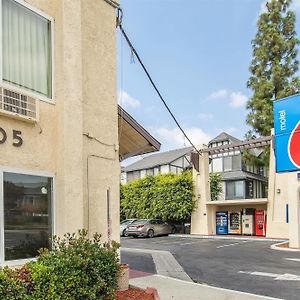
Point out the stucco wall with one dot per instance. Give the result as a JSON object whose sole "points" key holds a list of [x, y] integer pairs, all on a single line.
{"points": [[283, 189], [85, 102]]}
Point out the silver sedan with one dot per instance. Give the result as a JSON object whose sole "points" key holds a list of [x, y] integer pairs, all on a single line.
{"points": [[149, 228], [123, 226]]}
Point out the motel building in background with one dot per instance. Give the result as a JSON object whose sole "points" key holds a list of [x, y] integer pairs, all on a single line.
{"points": [[60, 139], [275, 216]]}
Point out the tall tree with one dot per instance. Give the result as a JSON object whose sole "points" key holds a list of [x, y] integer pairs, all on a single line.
{"points": [[274, 64]]}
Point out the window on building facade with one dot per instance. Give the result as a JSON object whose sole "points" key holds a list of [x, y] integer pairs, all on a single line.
{"points": [[26, 48], [150, 172], [249, 189], [27, 222], [230, 163], [217, 164], [236, 162], [235, 189], [227, 162]]}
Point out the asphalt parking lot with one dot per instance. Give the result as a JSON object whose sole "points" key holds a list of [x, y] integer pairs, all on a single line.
{"points": [[248, 266]]}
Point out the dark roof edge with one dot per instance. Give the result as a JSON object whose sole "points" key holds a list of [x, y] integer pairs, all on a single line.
{"points": [[141, 130], [151, 166]]}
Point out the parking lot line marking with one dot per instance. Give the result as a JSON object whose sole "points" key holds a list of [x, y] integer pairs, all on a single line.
{"points": [[234, 244], [183, 244], [293, 259], [285, 277]]}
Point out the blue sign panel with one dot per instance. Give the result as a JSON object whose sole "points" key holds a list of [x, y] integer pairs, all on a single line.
{"points": [[287, 133]]}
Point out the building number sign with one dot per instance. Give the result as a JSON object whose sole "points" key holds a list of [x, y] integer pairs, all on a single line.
{"points": [[16, 136]]}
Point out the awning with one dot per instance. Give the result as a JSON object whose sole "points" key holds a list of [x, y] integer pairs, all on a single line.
{"points": [[238, 202], [134, 139]]}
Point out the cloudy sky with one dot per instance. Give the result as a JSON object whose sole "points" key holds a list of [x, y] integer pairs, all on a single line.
{"points": [[198, 52]]}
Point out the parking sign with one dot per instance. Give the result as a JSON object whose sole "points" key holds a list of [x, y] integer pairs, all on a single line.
{"points": [[287, 133]]}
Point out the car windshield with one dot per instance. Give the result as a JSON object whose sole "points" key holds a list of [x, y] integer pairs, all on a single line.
{"points": [[125, 222], [137, 222]]}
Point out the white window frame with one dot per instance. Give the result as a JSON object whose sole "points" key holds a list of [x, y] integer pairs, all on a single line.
{"points": [[24, 90], [18, 262]]}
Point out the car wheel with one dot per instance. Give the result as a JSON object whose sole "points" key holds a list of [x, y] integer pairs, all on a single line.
{"points": [[173, 230], [124, 233], [150, 233]]}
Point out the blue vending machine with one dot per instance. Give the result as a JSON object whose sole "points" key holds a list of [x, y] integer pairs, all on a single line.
{"points": [[222, 222]]}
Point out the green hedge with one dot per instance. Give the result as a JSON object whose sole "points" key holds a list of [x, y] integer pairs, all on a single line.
{"points": [[11, 286], [166, 197], [76, 269]]}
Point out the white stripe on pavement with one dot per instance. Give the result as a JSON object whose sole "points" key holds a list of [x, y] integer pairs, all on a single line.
{"points": [[234, 244], [293, 259], [285, 277]]}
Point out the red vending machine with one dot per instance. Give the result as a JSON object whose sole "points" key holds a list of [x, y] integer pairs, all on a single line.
{"points": [[260, 222]]}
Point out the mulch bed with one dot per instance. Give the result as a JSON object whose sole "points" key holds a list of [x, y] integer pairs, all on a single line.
{"points": [[286, 245], [133, 294]]}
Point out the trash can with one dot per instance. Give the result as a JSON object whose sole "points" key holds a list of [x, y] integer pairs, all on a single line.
{"points": [[187, 228]]}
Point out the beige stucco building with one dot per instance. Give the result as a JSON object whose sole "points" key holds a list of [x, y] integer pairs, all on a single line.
{"points": [[281, 208], [59, 142]]}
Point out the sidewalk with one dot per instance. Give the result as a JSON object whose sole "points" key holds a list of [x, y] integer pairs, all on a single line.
{"points": [[228, 237], [175, 289]]}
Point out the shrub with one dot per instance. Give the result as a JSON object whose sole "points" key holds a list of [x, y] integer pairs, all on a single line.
{"points": [[167, 197], [11, 287], [77, 268], [215, 186]]}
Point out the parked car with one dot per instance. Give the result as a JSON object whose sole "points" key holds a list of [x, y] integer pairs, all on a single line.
{"points": [[149, 228], [123, 226]]}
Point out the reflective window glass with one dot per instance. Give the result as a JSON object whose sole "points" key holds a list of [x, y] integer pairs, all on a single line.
{"points": [[27, 215], [227, 163]]}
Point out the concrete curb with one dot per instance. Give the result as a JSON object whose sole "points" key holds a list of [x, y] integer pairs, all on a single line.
{"points": [[278, 248], [220, 237]]}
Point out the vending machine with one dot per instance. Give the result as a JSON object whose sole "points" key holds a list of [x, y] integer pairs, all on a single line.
{"points": [[234, 222], [260, 222], [248, 221], [222, 222]]}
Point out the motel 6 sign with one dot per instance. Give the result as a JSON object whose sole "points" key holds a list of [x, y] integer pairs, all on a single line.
{"points": [[287, 133]]}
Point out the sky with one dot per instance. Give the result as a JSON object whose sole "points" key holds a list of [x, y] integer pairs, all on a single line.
{"points": [[198, 52]]}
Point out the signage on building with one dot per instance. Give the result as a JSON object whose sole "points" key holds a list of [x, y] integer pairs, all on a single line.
{"points": [[287, 133], [17, 140]]}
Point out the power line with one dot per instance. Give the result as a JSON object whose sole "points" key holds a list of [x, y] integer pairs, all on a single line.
{"points": [[119, 23]]}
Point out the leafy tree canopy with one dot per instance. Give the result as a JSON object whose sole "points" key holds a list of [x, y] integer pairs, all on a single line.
{"points": [[274, 64]]}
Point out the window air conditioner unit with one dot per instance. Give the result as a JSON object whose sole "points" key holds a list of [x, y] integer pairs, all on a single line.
{"points": [[18, 105]]}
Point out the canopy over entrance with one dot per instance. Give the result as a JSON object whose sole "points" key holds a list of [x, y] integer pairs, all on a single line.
{"points": [[133, 138]]}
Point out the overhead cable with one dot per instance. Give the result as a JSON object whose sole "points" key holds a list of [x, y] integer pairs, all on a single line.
{"points": [[112, 3], [119, 23]]}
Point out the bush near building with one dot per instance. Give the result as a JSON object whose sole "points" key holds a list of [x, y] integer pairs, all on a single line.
{"points": [[165, 196], [215, 185], [77, 268]]}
